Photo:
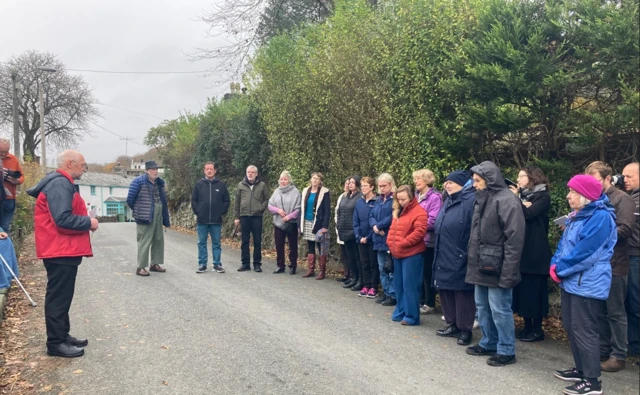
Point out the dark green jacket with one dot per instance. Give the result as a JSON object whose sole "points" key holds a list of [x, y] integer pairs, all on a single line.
{"points": [[251, 201]]}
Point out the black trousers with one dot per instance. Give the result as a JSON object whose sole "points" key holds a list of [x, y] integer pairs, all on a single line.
{"points": [[428, 292], [251, 226], [353, 256], [61, 283], [370, 270], [280, 236]]}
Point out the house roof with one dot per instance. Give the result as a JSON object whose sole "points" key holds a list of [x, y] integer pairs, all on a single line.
{"points": [[115, 199], [105, 180]]}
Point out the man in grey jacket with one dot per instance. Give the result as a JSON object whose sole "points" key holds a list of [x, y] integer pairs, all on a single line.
{"points": [[252, 198], [632, 303], [495, 248]]}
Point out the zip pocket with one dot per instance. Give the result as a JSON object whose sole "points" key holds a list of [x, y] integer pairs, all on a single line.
{"points": [[580, 279]]}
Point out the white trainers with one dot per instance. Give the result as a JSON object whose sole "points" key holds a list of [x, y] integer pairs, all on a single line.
{"points": [[424, 309], [442, 318], [476, 324]]}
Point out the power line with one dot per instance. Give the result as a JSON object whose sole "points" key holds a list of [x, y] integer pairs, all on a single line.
{"points": [[113, 133], [126, 109], [139, 72]]}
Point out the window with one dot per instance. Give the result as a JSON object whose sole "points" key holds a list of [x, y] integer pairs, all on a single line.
{"points": [[93, 190], [114, 209]]}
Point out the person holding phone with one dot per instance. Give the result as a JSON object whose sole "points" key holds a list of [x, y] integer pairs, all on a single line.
{"points": [[531, 295]]}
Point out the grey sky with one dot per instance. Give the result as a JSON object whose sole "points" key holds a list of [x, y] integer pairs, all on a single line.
{"points": [[132, 35]]}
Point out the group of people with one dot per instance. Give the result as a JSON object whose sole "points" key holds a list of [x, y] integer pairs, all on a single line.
{"points": [[481, 244]]}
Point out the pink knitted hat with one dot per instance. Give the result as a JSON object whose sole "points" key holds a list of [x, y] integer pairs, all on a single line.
{"points": [[586, 185]]}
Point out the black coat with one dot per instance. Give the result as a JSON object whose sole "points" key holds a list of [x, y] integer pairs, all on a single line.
{"points": [[345, 216], [452, 229], [536, 254], [210, 201]]}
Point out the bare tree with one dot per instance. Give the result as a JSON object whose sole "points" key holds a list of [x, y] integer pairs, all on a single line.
{"points": [[69, 105], [247, 24]]}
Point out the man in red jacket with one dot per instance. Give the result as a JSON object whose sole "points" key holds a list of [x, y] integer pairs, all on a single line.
{"points": [[62, 238]]}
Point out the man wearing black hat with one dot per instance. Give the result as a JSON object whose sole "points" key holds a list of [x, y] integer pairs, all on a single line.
{"points": [[148, 201]]}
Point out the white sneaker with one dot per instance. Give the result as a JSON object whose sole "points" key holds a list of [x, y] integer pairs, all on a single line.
{"points": [[476, 324], [442, 318], [426, 309]]}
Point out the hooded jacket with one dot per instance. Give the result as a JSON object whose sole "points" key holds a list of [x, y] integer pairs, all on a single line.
{"points": [[210, 201], [321, 209], [536, 252], [497, 221], [406, 234], [585, 249], [452, 230], [251, 199], [380, 216], [60, 218]]}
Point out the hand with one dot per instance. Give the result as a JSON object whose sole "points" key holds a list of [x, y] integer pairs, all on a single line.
{"points": [[3, 235], [285, 219], [562, 227], [513, 189], [94, 225], [282, 213], [527, 204], [381, 233], [554, 276], [375, 229], [236, 222], [12, 180], [363, 240], [324, 230]]}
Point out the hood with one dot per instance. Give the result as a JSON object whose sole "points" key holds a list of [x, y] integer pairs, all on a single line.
{"points": [[213, 181], [491, 174], [601, 204], [35, 190]]}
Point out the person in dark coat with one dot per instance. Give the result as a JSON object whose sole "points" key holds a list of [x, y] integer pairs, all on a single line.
{"points": [[364, 238], [380, 221], [495, 248], [348, 236], [452, 230], [531, 295]]}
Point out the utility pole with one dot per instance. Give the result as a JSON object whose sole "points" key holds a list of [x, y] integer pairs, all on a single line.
{"points": [[16, 126], [43, 147], [126, 148]]}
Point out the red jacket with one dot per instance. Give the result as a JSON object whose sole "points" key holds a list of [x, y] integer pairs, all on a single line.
{"points": [[406, 234], [61, 220]]}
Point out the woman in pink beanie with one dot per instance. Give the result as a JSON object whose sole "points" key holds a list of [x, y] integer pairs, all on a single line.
{"points": [[581, 266]]}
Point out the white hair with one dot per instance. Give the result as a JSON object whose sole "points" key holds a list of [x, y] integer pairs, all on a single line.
{"points": [[5, 141], [583, 201], [386, 177], [252, 167], [288, 175], [65, 156]]}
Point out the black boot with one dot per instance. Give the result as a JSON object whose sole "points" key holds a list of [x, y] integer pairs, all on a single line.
{"points": [[358, 286], [350, 283], [465, 338]]}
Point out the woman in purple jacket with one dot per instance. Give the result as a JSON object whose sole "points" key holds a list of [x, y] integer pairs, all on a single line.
{"points": [[431, 201]]}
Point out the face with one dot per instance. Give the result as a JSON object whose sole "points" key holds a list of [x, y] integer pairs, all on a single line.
{"points": [[605, 182], [315, 181], [153, 174], [574, 199], [403, 199], [283, 181], [4, 150], [77, 167], [346, 186], [252, 174], [479, 183], [451, 187], [366, 188], [209, 171], [419, 183], [352, 185], [384, 187], [523, 179], [630, 174]]}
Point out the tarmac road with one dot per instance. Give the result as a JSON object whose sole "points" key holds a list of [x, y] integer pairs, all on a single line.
{"points": [[257, 333]]}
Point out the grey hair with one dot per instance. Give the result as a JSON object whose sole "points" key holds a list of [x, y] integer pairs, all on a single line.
{"points": [[583, 201], [5, 141], [288, 175], [252, 167], [386, 177], [65, 156]]}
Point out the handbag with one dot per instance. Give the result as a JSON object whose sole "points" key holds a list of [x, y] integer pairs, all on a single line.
{"points": [[490, 257], [289, 227]]}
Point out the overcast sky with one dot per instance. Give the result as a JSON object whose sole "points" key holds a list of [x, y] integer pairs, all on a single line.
{"points": [[132, 35]]}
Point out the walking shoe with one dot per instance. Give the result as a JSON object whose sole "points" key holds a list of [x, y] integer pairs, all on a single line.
{"points": [[569, 375], [278, 270], [478, 351], [363, 292], [465, 338], [142, 272], [65, 350], [584, 387], [381, 298], [476, 324], [257, 268], [77, 342], [372, 293], [442, 318], [390, 301], [217, 269], [157, 268], [450, 331], [201, 269], [292, 270], [501, 360], [612, 365], [357, 286], [532, 337], [424, 309], [244, 268]]}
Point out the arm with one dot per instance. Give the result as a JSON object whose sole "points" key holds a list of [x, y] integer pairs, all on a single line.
{"points": [[512, 219], [194, 199], [237, 203], [433, 208], [539, 207], [293, 215], [385, 222], [419, 230], [356, 224], [625, 217], [265, 197], [325, 206], [583, 255], [59, 201], [273, 209], [226, 200], [134, 189], [19, 168]]}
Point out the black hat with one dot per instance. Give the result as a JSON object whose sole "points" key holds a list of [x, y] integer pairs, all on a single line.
{"points": [[150, 165], [460, 177]]}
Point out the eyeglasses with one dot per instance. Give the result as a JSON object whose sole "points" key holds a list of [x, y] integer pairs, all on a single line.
{"points": [[84, 165]]}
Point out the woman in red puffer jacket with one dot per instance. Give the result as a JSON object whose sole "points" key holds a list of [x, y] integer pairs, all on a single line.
{"points": [[406, 245]]}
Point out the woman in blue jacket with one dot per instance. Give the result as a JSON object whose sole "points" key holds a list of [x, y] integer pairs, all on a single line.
{"points": [[364, 238], [452, 230], [380, 221], [581, 266]]}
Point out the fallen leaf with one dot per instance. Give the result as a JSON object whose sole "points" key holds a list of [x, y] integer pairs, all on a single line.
{"points": [[165, 347], [164, 382], [77, 371]]}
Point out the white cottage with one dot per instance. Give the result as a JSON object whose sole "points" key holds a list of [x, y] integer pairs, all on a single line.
{"points": [[106, 193]]}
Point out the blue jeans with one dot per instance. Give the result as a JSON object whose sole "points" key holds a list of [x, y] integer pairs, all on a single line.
{"points": [[204, 230], [407, 279], [632, 304], [496, 319], [8, 209], [385, 279]]}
